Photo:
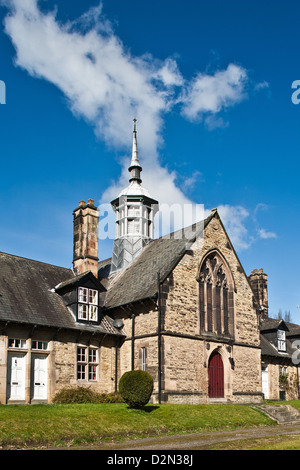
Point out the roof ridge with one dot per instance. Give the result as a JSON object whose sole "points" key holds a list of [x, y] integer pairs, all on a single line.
{"points": [[33, 260], [203, 221]]}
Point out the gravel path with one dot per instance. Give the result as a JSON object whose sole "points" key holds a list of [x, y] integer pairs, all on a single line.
{"points": [[195, 441]]}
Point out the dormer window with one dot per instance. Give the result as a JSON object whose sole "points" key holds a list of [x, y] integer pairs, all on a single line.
{"points": [[87, 304], [281, 340]]}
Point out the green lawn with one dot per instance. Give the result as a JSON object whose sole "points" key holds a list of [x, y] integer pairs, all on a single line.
{"points": [[37, 426]]}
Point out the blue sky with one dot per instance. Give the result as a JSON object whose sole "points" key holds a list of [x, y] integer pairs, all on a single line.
{"points": [[210, 83]]}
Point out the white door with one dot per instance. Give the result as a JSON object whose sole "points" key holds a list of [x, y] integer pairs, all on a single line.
{"points": [[265, 381], [16, 376], [40, 375]]}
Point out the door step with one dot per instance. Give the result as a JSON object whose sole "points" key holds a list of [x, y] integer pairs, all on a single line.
{"points": [[217, 400]]}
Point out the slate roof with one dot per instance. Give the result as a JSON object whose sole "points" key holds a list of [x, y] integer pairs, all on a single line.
{"points": [[268, 349], [271, 324], [27, 295], [138, 281]]}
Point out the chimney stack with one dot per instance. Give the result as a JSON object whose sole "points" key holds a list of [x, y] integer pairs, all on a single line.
{"points": [[259, 283], [85, 248]]}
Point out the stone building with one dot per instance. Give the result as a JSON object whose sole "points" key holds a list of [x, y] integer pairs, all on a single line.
{"points": [[180, 307], [280, 342]]}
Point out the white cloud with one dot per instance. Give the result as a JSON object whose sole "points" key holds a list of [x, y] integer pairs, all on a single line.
{"points": [[261, 85], [190, 181], [102, 81], [264, 234], [210, 94], [234, 218], [169, 73], [106, 85]]}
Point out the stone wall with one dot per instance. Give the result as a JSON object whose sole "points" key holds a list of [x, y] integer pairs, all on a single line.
{"points": [[185, 350], [246, 377], [181, 316], [187, 355], [64, 363], [61, 357], [290, 387]]}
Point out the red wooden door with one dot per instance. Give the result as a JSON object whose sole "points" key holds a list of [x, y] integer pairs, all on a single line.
{"points": [[215, 376]]}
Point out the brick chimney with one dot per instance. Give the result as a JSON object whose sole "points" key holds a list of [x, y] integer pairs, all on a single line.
{"points": [[85, 248], [259, 283]]}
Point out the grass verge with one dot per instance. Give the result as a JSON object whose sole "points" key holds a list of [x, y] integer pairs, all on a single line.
{"points": [[42, 426], [266, 443]]}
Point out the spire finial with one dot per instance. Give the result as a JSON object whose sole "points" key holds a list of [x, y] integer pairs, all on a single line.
{"points": [[135, 167]]}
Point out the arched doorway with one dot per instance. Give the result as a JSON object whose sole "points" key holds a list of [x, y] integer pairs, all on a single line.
{"points": [[215, 376]]}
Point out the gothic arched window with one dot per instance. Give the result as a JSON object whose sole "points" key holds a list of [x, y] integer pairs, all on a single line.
{"points": [[216, 295]]}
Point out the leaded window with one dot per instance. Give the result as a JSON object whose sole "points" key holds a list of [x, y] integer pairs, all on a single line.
{"points": [[87, 304], [87, 363], [215, 295], [281, 340]]}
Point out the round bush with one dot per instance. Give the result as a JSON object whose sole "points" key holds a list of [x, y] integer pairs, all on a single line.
{"points": [[136, 387]]}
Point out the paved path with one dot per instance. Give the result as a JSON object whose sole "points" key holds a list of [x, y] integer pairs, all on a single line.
{"points": [[196, 441]]}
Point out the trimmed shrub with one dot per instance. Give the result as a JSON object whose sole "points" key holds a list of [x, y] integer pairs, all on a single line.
{"points": [[75, 395], [114, 397], [136, 387], [71, 395]]}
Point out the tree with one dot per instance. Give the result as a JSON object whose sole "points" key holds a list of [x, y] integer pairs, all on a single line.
{"points": [[286, 316]]}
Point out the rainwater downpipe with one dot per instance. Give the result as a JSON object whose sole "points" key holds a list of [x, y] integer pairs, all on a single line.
{"points": [[159, 336], [132, 340], [116, 365]]}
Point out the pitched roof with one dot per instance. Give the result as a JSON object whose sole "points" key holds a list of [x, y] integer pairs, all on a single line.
{"points": [[271, 324], [269, 349], [27, 295], [274, 323], [75, 280], [139, 281]]}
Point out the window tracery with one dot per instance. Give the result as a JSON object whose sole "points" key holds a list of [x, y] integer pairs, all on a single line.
{"points": [[215, 295]]}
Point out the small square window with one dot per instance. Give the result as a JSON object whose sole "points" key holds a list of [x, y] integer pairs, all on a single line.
{"points": [[93, 313], [82, 312], [87, 363], [93, 296], [281, 335], [281, 345], [93, 355], [80, 371], [87, 304], [17, 343], [81, 355], [39, 345], [82, 294], [92, 372]]}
